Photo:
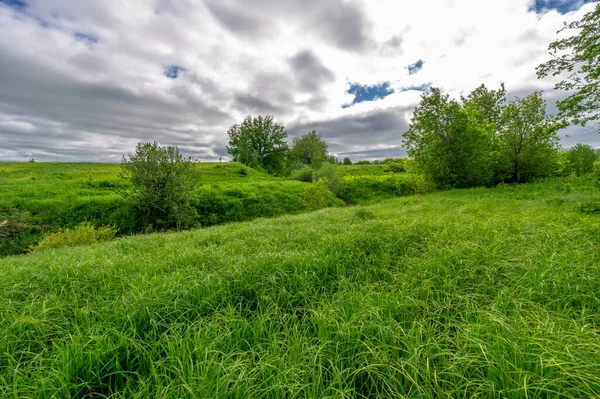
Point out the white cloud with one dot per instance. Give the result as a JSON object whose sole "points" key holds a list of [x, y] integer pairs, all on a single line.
{"points": [[289, 58]]}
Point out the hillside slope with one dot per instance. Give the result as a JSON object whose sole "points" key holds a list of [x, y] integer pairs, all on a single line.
{"points": [[485, 292]]}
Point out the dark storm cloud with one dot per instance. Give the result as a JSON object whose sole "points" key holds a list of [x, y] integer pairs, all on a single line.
{"points": [[310, 73], [358, 134]]}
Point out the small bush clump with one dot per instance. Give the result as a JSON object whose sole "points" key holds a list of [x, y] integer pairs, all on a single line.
{"points": [[304, 175], [84, 234], [318, 195]]}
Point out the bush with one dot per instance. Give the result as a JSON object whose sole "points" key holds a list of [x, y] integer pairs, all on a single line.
{"points": [[236, 203], [394, 167], [162, 183], [318, 195], [305, 174], [330, 174], [596, 169], [580, 159], [363, 189], [84, 234]]}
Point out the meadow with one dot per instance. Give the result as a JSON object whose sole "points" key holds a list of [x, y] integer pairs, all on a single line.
{"points": [[37, 199], [487, 292]]}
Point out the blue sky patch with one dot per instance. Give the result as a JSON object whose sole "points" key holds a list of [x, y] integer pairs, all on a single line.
{"points": [[19, 4], [561, 6], [365, 93], [173, 71], [424, 88], [416, 67]]}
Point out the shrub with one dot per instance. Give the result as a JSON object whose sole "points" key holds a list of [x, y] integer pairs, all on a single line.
{"points": [[361, 189], [318, 195], [394, 167], [596, 169], [580, 159], [305, 174], [84, 234], [162, 183], [330, 174]]}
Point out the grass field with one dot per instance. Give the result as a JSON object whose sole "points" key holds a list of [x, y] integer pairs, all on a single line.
{"points": [[489, 293], [41, 198], [38, 198]]}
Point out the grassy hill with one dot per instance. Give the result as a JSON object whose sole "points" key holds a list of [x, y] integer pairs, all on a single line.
{"points": [[464, 293], [38, 198]]}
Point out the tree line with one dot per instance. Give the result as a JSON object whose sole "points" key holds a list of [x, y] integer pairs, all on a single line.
{"points": [[260, 142]]}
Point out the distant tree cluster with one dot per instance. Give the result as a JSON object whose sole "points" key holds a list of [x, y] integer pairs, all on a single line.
{"points": [[260, 143], [481, 140]]}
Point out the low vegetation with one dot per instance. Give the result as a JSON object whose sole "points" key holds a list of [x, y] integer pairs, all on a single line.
{"points": [[41, 199], [462, 293]]}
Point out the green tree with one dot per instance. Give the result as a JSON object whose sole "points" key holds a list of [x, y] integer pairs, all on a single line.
{"points": [[581, 158], [310, 149], [527, 139], [446, 144], [347, 161], [259, 143], [579, 57], [162, 181]]}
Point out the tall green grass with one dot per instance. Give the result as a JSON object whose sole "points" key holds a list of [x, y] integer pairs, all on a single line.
{"points": [[489, 293], [41, 198]]}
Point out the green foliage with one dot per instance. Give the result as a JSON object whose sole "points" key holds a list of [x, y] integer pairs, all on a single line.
{"points": [[589, 207], [579, 56], [364, 213], [363, 162], [84, 234], [395, 167], [581, 158], [482, 141], [527, 139], [366, 189], [446, 143], [236, 202], [331, 174], [259, 143], [347, 161], [479, 293], [305, 174], [309, 149], [42, 198], [162, 182], [318, 196]]}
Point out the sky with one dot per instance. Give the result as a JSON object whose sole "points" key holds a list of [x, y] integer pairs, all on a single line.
{"points": [[84, 80]]}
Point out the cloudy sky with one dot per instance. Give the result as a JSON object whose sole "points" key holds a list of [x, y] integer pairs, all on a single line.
{"points": [[85, 80]]}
